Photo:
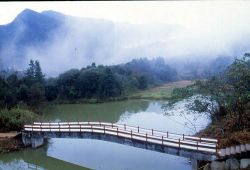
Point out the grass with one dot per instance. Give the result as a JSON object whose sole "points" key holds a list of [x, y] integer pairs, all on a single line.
{"points": [[161, 92]]}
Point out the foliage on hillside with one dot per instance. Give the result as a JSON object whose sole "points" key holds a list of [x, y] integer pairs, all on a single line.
{"points": [[226, 97]]}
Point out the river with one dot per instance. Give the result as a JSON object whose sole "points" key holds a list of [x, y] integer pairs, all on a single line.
{"points": [[59, 154]]}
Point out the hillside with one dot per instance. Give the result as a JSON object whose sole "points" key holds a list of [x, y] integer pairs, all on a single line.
{"points": [[61, 42]]}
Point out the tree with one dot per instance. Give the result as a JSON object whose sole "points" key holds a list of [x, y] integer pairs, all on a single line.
{"points": [[10, 100], [142, 82], [88, 83], [67, 84], [93, 65], [34, 74], [39, 77], [30, 72], [109, 85], [51, 89], [12, 80], [35, 95], [228, 95], [22, 93]]}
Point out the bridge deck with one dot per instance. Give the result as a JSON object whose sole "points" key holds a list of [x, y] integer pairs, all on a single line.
{"points": [[131, 132]]}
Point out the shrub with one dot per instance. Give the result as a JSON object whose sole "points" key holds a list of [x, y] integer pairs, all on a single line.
{"points": [[14, 119]]}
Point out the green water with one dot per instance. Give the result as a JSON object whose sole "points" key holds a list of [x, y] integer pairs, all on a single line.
{"points": [[34, 159], [106, 112], [95, 154]]}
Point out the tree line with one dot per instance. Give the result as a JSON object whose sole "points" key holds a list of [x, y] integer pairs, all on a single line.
{"points": [[92, 82]]}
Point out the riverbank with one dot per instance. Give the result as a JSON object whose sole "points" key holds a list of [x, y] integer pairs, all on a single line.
{"points": [[12, 122], [226, 138], [10, 141]]}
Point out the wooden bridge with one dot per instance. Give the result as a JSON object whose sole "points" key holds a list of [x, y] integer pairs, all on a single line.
{"points": [[192, 147]]}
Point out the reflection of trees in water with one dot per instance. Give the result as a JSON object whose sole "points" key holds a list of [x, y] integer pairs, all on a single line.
{"points": [[107, 112], [136, 106], [141, 106], [128, 108], [183, 109], [34, 158]]}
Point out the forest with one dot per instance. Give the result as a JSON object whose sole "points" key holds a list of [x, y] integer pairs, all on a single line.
{"points": [[100, 82]]}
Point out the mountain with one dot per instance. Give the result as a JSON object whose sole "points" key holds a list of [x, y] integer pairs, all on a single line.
{"points": [[61, 42], [28, 29], [31, 32]]}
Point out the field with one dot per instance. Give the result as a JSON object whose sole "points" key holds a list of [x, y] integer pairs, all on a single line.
{"points": [[161, 92]]}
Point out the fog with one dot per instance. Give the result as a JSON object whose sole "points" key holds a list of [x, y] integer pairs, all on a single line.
{"points": [[80, 41]]}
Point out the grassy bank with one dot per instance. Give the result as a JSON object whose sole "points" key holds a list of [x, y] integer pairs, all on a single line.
{"points": [[161, 92], [13, 120]]}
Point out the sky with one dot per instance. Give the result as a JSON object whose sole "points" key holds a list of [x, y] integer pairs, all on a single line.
{"points": [[191, 14], [210, 28]]}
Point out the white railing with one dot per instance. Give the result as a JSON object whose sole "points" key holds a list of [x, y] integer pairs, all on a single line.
{"points": [[131, 132]]}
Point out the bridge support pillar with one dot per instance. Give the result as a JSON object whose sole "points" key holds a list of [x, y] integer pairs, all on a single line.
{"points": [[35, 140], [26, 139], [194, 164]]}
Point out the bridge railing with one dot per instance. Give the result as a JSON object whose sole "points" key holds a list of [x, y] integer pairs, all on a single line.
{"points": [[134, 128], [131, 132]]}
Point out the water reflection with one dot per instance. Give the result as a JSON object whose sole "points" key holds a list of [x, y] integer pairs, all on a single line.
{"points": [[154, 117], [107, 112], [104, 155], [33, 159]]}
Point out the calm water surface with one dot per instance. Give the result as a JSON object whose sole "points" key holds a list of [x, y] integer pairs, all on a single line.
{"points": [[95, 154]]}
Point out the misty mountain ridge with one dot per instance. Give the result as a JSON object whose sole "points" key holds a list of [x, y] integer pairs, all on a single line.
{"points": [[61, 42], [28, 29]]}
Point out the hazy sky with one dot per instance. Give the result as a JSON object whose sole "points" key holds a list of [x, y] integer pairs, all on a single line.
{"points": [[191, 14]]}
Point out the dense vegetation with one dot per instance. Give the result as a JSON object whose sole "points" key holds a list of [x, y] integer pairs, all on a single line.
{"points": [[108, 82], [14, 119], [93, 82], [226, 98], [28, 89]]}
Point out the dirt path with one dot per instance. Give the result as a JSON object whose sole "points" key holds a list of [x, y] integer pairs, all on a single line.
{"points": [[10, 134]]}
